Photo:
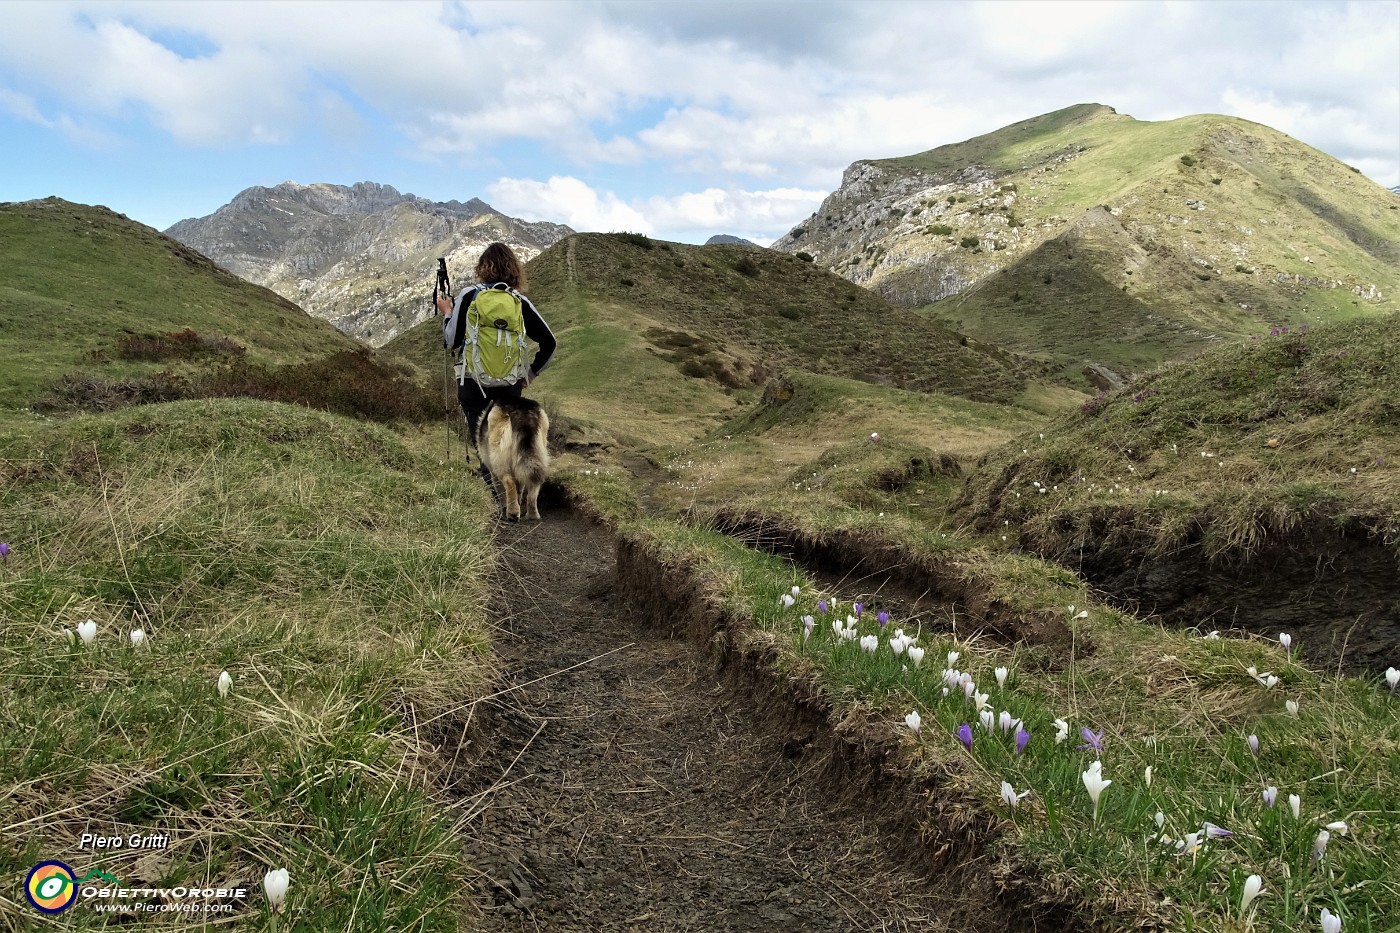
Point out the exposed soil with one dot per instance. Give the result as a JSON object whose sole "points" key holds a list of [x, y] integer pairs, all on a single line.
{"points": [[1334, 588], [631, 779]]}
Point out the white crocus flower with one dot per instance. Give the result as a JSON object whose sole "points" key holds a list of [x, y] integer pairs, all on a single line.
{"points": [[916, 654], [953, 657], [1094, 783], [1331, 923], [1062, 731], [1009, 795], [137, 637], [980, 699], [1270, 796], [1295, 803], [1147, 775], [1392, 677], [1212, 636], [1292, 707], [87, 631], [913, 720], [787, 601], [796, 590], [1339, 827], [225, 683], [1001, 673], [1253, 887], [870, 643], [1320, 844], [275, 884], [988, 719]]}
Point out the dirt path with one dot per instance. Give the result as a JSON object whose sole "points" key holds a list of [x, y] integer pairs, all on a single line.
{"points": [[631, 788]]}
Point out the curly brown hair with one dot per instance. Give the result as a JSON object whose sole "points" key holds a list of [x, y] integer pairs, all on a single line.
{"points": [[499, 264]]}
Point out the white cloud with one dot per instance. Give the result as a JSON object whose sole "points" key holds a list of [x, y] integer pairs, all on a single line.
{"points": [[566, 200], [762, 216], [759, 215], [22, 106]]}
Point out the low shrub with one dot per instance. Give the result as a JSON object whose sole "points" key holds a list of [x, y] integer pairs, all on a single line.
{"points": [[746, 266], [177, 345]]}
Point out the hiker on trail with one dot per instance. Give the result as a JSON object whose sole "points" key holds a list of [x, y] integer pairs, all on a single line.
{"points": [[486, 326]]}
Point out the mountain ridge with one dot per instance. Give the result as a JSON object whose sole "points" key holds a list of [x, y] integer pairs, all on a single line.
{"points": [[362, 256], [1228, 227]]}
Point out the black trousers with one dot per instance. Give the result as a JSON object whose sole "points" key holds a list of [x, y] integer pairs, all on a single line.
{"points": [[474, 399]]}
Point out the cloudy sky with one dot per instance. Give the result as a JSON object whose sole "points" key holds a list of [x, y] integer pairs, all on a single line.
{"points": [[679, 119]]}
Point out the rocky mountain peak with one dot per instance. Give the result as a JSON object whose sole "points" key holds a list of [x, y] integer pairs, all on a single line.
{"points": [[362, 256]]}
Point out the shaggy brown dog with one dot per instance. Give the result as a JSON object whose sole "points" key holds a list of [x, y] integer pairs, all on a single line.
{"points": [[511, 440]]}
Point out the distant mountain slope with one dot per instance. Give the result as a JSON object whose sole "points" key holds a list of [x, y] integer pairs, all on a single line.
{"points": [[74, 279], [738, 314], [722, 239], [1086, 234], [362, 257]]}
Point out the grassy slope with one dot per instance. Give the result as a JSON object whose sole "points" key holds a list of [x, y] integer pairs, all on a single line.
{"points": [[314, 520], [680, 346], [1143, 287], [701, 310], [1161, 697], [74, 278], [1285, 419], [1168, 700], [339, 581]]}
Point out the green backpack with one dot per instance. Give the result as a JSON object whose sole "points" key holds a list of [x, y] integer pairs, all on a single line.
{"points": [[493, 338]]}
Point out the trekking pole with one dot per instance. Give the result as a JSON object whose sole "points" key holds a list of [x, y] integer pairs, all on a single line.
{"points": [[443, 287]]}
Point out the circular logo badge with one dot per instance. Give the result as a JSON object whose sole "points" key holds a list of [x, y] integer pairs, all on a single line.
{"points": [[51, 888]]}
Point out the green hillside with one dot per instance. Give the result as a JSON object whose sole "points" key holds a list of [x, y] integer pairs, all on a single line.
{"points": [[1086, 235], [75, 279], [1239, 470], [1177, 233], [714, 403]]}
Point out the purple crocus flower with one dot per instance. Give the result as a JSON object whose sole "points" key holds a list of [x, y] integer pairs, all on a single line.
{"points": [[1022, 739], [883, 617], [1092, 740], [859, 609], [821, 606], [4, 551], [1216, 832], [1253, 742], [965, 736]]}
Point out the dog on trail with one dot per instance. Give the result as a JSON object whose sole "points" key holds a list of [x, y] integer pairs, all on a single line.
{"points": [[511, 439]]}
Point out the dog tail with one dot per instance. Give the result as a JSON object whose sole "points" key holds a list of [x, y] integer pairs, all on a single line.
{"points": [[530, 427]]}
